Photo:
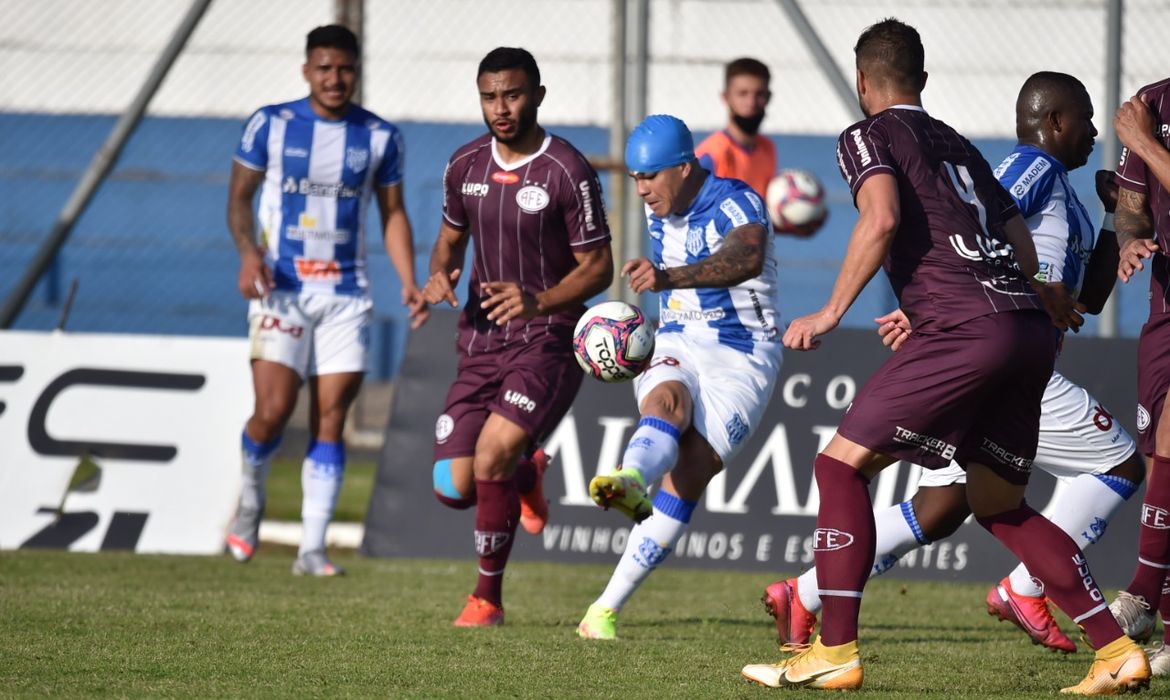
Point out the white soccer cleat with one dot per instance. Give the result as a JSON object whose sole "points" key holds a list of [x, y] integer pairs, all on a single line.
{"points": [[1133, 615], [315, 563]]}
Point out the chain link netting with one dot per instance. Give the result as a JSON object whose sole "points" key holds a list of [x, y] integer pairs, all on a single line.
{"points": [[152, 252]]}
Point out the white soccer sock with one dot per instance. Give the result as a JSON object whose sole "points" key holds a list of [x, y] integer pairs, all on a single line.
{"points": [[897, 533], [256, 460], [1085, 506], [651, 541], [652, 449], [321, 476]]}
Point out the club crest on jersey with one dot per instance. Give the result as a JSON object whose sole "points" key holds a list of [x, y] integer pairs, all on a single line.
{"points": [[532, 198], [695, 240], [827, 539], [356, 159], [487, 542], [737, 429]]}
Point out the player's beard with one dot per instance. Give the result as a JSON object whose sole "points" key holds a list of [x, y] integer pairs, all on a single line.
{"points": [[524, 124], [749, 125]]}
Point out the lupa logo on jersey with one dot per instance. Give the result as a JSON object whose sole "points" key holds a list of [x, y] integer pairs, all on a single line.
{"points": [[695, 240], [475, 189], [519, 400], [356, 159], [532, 198]]}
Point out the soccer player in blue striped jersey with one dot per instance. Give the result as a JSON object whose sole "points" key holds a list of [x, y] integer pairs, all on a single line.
{"points": [[716, 356], [317, 162]]}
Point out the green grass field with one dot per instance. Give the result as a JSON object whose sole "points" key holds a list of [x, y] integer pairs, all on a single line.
{"points": [[284, 491], [83, 625]]}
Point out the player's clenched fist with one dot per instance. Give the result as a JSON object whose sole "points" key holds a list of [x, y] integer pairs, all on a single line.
{"points": [[642, 276], [441, 287]]}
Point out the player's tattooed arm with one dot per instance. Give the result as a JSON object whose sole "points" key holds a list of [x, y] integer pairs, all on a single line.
{"points": [[1134, 226], [254, 279], [740, 258]]}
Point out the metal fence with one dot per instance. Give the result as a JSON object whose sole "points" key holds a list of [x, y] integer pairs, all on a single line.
{"points": [[152, 253]]}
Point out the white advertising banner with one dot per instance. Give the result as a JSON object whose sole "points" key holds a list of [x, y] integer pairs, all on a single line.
{"points": [[158, 416]]}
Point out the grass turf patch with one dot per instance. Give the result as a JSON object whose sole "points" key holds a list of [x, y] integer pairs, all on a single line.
{"points": [[284, 491], [114, 624]]}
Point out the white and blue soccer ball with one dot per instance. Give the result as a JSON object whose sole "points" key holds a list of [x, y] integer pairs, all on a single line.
{"points": [[613, 342]]}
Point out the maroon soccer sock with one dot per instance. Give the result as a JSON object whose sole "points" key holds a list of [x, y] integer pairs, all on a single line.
{"points": [[525, 475], [496, 518], [1053, 557], [1154, 535], [843, 546]]}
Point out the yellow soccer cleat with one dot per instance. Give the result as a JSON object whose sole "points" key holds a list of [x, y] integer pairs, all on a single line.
{"points": [[816, 666], [1118, 667], [624, 491]]}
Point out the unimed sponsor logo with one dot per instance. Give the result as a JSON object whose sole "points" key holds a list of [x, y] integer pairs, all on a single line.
{"points": [[862, 149]]}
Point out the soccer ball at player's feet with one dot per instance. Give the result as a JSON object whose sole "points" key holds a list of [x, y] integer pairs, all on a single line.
{"points": [[794, 623], [613, 342], [796, 203]]}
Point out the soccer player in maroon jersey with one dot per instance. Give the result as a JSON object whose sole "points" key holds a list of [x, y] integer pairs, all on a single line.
{"points": [[966, 385], [533, 206], [1142, 222]]}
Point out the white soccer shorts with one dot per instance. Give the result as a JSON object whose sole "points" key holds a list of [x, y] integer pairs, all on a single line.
{"points": [[313, 334], [730, 388], [1077, 436]]}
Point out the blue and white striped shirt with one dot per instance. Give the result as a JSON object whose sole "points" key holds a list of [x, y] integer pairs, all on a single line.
{"points": [[741, 316], [319, 175]]}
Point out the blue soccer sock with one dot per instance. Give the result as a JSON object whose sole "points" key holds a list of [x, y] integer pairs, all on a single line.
{"points": [[650, 543], [256, 461], [321, 475], [652, 450]]}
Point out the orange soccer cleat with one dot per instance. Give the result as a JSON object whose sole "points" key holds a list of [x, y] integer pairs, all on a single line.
{"points": [[533, 505], [480, 613]]}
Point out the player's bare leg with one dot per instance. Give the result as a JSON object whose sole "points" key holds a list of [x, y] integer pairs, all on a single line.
{"points": [[497, 515], [655, 537], [275, 387], [652, 451], [324, 467], [1054, 557]]}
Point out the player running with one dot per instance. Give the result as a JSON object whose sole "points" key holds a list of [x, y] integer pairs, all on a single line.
{"points": [[320, 159], [966, 385], [1080, 443], [716, 353], [533, 206], [1143, 233]]}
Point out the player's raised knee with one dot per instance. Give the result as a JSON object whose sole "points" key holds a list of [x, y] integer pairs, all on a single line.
{"points": [[445, 490]]}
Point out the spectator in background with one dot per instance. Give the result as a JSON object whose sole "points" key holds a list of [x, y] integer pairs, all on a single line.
{"points": [[319, 160], [739, 150]]}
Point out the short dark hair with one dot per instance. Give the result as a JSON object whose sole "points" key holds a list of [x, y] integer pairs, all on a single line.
{"points": [[332, 36], [506, 57], [892, 50], [746, 66]]}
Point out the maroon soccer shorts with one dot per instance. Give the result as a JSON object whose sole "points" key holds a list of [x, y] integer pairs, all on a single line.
{"points": [[970, 393], [532, 385], [1153, 379]]}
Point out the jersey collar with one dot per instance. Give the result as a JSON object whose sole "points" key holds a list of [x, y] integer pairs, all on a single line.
{"points": [[523, 161]]}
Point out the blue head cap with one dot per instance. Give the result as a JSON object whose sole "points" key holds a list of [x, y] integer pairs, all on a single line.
{"points": [[659, 142]]}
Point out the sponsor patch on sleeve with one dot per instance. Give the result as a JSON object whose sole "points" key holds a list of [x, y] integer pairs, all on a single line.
{"points": [[734, 212]]}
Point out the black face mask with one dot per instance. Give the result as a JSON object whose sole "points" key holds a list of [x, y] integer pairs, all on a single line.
{"points": [[750, 125]]}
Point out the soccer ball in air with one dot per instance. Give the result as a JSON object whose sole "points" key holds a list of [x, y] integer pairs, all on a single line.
{"points": [[613, 342], [796, 202]]}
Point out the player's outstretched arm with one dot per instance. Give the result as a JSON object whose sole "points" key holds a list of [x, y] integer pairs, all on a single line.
{"points": [[255, 279], [740, 258], [877, 222], [398, 238], [446, 257], [593, 274]]}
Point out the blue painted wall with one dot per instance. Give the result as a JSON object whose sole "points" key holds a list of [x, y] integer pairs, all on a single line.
{"points": [[153, 255]]}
